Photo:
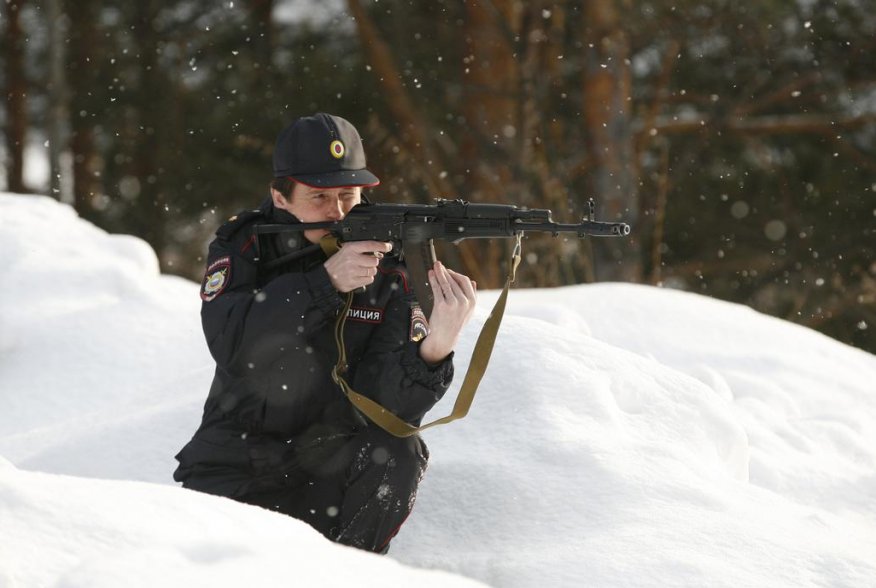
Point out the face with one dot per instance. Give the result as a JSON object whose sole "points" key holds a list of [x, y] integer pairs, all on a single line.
{"points": [[313, 205]]}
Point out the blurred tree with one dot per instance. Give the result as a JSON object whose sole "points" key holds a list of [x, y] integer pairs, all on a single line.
{"points": [[157, 122], [608, 117], [761, 130], [85, 58], [59, 93], [695, 106], [261, 26], [16, 91], [738, 139]]}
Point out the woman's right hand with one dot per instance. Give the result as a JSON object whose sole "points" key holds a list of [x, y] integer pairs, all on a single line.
{"points": [[355, 264]]}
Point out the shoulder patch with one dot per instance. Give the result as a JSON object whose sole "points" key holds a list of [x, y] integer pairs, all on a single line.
{"points": [[216, 278], [419, 324]]}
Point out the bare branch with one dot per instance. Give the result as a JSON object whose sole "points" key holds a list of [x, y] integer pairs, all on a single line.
{"points": [[761, 125]]}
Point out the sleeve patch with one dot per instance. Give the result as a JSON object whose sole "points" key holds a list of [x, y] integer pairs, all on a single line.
{"points": [[216, 278], [419, 324]]}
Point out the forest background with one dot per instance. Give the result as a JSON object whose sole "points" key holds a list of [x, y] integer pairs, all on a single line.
{"points": [[738, 139]]}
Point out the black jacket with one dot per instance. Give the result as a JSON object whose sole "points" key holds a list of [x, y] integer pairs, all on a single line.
{"points": [[271, 333]]}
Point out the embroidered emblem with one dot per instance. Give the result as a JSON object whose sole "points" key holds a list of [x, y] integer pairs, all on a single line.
{"points": [[419, 324], [216, 277], [365, 315], [337, 148]]}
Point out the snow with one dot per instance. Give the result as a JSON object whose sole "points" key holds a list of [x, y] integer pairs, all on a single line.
{"points": [[623, 435]]}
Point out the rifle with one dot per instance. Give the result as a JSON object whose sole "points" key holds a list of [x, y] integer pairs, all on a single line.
{"points": [[412, 230]]}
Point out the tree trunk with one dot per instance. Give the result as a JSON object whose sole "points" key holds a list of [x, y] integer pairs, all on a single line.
{"points": [[263, 36], [16, 97], [412, 128], [491, 88], [152, 202], [58, 96], [607, 101], [82, 59], [542, 143], [492, 115]]}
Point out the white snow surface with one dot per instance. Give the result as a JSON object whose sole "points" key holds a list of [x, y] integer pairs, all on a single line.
{"points": [[623, 435]]}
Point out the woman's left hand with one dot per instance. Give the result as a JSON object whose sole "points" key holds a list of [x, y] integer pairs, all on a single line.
{"points": [[455, 297]]}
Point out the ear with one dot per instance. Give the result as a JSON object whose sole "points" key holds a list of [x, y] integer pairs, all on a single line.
{"points": [[278, 199]]}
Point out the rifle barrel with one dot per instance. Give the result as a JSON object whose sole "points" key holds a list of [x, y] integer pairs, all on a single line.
{"points": [[585, 228]]}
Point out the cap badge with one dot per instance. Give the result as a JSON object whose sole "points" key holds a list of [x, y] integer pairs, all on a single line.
{"points": [[337, 149]]}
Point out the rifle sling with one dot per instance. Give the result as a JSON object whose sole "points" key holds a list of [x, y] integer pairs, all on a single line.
{"points": [[480, 358]]}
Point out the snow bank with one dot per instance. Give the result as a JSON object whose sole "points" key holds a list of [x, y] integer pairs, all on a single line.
{"points": [[76, 532], [623, 435]]}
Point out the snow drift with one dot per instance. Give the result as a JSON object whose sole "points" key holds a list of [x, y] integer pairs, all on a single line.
{"points": [[623, 435]]}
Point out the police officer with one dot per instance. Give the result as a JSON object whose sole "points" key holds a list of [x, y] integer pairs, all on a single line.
{"points": [[276, 430]]}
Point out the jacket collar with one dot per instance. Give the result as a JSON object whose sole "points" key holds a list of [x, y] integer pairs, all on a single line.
{"points": [[277, 215]]}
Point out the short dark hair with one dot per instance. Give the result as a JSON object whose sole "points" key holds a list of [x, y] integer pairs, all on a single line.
{"points": [[284, 186]]}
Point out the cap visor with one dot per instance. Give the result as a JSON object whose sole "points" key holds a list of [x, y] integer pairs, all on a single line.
{"points": [[338, 179]]}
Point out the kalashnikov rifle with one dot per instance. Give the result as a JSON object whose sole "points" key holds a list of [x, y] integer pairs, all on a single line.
{"points": [[413, 228]]}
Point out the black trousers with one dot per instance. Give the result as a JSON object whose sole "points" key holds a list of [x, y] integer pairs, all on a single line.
{"points": [[358, 493]]}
